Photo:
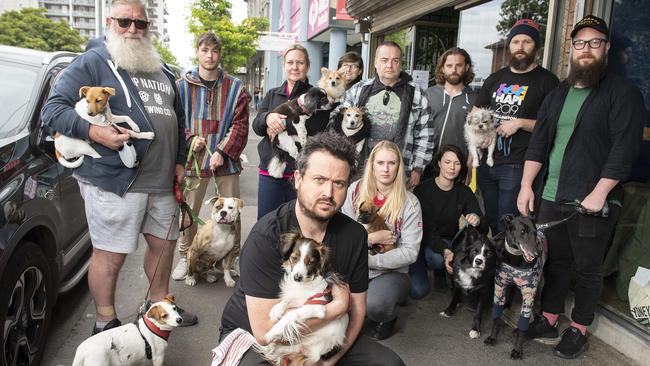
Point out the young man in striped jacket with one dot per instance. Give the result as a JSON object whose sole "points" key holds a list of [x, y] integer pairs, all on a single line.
{"points": [[216, 115]]}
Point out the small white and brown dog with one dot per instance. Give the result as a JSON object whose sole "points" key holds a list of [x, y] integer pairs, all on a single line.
{"points": [[353, 122], [132, 344], [216, 244], [480, 128], [333, 81], [93, 107], [305, 290]]}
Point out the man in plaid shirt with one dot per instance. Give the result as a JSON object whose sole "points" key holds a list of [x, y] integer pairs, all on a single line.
{"points": [[216, 116], [397, 109]]}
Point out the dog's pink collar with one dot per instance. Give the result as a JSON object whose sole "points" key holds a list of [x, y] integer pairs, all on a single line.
{"points": [[164, 334], [320, 298]]}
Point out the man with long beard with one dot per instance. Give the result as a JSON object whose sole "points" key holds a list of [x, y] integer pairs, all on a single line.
{"points": [[585, 142], [514, 95], [449, 101], [123, 202]]}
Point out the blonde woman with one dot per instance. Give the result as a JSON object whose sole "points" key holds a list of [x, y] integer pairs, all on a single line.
{"points": [[384, 184]]}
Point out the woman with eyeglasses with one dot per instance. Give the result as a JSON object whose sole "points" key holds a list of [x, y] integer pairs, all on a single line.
{"points": [[352, 64], [444, 199], [383, 185], [272, 192]]}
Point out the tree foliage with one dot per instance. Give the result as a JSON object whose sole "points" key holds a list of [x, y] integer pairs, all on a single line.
{"points": [[29, 28], [513, 10], [165, 54], [239, 41]]}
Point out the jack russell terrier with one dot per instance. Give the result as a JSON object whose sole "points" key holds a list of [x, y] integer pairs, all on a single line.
{"points": [[93, 107], [132, 344], [215, 242]]}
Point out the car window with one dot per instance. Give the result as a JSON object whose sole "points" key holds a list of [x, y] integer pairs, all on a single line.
{"points": [[15, 94]]}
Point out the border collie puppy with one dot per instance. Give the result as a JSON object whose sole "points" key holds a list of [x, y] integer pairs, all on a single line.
{"points": [[475, 260], [305, 290], [297, 111], [524, 254]]}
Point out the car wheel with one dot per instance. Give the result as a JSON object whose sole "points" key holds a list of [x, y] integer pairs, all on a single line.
{"points": [[26, 299]]}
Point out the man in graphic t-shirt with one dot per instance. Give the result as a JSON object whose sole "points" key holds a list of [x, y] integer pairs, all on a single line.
{"points": [[398, 111], [513, 94], [121, 202]]}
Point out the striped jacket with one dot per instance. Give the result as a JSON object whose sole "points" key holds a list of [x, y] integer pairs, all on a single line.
{"points": [[220, 115], [417, 143]]}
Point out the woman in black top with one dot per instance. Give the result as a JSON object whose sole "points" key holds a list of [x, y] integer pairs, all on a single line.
{"points": [[444, 199], [272, 192], [352, 64]]}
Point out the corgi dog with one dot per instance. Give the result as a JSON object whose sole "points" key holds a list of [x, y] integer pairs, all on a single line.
{"points": [[334, 84]]}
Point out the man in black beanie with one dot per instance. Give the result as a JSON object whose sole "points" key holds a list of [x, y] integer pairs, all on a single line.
{"points": [[513, 94]]}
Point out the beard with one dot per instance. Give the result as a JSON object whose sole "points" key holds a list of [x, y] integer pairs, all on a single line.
{"points": [[133, 55], [312, 213], [586, 75], [524, 63], [454, 79]]}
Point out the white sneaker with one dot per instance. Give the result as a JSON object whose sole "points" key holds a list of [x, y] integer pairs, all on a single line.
{"points": [[181, 270]]}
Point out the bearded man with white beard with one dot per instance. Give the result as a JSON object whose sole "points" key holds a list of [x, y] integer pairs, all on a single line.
{"points": [[121, 202], [585, 142]]}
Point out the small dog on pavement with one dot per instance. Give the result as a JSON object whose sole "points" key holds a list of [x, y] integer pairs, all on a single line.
{"points": [[297, 111], [305, 290], [93, 107], [215, 243], [524, 254], [475, 260], [133, 343], [353, 123], [333, 82], [479, 128]]}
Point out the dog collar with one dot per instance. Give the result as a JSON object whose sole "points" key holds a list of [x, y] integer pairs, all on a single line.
{"points": [[164, 334], [320, 298]]}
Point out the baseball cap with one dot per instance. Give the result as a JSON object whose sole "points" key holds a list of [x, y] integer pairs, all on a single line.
{"points": [[591, 21]]}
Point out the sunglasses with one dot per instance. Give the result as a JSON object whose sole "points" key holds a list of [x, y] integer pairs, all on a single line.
{"points": [[126, 23], [386, 96]]}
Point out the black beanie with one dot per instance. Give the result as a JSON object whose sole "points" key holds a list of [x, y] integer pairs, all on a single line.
{"points": [[527, 27]]}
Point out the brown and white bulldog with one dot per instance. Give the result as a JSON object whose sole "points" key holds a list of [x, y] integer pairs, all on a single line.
{"points": [[216, 243]]}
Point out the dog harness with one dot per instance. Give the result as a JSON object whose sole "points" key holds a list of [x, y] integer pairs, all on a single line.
{"points": [[320, 298], [164, 334]]}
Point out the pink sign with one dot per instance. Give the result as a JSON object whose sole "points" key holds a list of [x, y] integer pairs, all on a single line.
{"points": [[342, 10], [319, 11], [282, 18], [295, 16]]}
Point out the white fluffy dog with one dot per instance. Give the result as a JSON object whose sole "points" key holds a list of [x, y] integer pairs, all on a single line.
{"points": [[480, 128]]}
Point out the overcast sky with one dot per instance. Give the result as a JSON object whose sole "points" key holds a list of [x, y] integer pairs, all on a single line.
{"points": [[180, 40]]}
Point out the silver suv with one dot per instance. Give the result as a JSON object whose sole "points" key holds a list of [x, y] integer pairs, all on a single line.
{"points": [[44, 240]]}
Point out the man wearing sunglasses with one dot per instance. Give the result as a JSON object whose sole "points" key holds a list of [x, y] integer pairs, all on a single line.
{"points": [[585, 142], [398, 111], [120, 202]]}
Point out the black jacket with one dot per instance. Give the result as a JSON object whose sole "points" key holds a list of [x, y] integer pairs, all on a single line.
{"points": [[604, 143], [271, 100]]}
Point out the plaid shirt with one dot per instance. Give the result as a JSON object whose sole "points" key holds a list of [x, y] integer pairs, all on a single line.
{"points": [[418, 144]]}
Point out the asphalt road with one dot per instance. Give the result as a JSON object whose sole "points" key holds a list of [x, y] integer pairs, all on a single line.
{"points": [[423, 337]]}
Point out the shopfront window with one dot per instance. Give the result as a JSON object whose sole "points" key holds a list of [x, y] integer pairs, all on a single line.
{"points": [[484, 29]]}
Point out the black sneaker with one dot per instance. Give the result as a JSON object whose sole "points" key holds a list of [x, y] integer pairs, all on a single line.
{"points": [[572, 345], [189, 319], [112, 324], [542, 330], [384, 330]]}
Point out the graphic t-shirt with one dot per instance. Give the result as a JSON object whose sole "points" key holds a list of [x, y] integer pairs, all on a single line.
{"points": [[510, 96], [156, 170], [565, 125], [384, 117]]}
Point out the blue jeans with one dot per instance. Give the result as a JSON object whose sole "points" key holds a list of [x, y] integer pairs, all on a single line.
{"points": [[427, 258], [499, 188], [271, 193]]}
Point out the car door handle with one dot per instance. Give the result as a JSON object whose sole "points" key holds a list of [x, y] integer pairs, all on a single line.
{"points": [[50, 194]]}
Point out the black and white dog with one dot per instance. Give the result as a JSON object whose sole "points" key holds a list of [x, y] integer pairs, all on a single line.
{"points": [[297, 111], [353, 122], [475, 260], [305, 290], [523, 257]]}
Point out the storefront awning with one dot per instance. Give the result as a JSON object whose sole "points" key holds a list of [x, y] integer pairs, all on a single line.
{"points": [[360, 9]]}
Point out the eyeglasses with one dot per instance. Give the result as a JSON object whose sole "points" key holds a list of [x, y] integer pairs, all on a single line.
{"points": [[126, 23], [386, 96], [593, 43], [351, 66]]}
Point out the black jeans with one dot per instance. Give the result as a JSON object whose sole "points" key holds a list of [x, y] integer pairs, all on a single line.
{"points": [[499, 188], [364, 352], [575, 246]]}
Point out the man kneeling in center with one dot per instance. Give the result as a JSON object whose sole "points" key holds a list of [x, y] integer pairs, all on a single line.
{"points": [[324, 168]]}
